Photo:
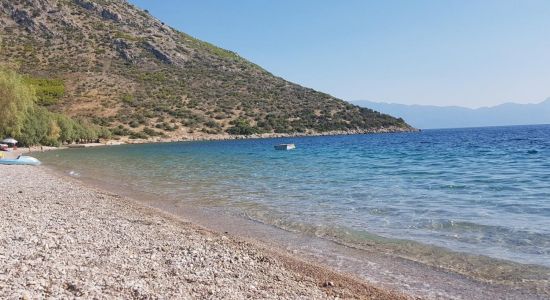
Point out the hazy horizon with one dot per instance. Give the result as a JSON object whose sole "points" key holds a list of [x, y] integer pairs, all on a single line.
{"points": [[443, 105], [463, 53], [434, 117]]}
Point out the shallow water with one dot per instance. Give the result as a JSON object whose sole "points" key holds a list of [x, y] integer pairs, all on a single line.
{"points": [[482, 191]]}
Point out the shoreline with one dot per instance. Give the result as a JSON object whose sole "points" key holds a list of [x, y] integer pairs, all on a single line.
{"points": [[374, 264], [206, 137], [227, 137], [43, 237], [404, 274]]}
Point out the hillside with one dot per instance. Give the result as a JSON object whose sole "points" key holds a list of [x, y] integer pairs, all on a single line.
{"points": [[119, 67], [427, 116]]}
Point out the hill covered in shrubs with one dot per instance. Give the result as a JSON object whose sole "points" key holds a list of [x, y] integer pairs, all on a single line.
{"points": [[117, 67]]}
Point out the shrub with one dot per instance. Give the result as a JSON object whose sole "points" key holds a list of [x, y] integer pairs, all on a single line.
{"points": [[138, 135], [120, 131], [150, 132], [242, 127], [48, 91]]}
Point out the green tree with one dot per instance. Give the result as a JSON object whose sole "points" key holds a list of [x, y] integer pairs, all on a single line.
{"points": [[31, 124], [68, 129], [35, 128], [16, 102]]}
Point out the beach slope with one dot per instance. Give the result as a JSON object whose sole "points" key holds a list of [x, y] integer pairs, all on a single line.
{"points": [[60, 238]]}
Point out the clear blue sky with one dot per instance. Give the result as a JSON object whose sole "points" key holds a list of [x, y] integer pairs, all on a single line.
{"points": [[443, 52]]}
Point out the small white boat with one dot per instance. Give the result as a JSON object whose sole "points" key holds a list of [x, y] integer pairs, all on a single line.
{"points": [[285, 147], [21, 160]]}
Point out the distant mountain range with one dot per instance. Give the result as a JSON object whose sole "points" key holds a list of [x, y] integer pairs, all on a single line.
{"points": [[426, 116]]}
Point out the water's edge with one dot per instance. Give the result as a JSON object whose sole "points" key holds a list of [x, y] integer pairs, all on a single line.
{"points": [[402, 265]]}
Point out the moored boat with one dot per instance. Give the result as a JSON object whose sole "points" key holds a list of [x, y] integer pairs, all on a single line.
{"points": [[285, 147]]}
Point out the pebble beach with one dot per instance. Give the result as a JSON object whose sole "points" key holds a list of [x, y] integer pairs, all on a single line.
{"points": [[60, 238]]}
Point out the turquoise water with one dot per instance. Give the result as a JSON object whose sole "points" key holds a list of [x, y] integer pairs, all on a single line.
{"points": [[483, 191]]}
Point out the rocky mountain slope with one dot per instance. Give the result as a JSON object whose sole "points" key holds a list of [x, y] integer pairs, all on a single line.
{"points": [[116, 65]]}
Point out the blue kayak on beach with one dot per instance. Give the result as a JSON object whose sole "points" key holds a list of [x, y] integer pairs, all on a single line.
{"points": [[21, 160]]}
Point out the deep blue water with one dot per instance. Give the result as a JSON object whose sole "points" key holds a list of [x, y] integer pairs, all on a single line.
{"points": [[477, 190]]}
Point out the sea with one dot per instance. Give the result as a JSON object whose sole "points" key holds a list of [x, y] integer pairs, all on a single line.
{"points": [[455, 199]]}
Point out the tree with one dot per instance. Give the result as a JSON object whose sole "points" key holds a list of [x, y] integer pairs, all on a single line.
{"points": [[68, 131], [16, 102], [22, 118], [35, 128], [54, 133]]}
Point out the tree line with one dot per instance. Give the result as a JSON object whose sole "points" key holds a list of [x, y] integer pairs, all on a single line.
{"points": [[23, 118]]}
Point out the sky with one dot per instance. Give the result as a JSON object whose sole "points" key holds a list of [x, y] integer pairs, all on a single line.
{"points": [[441, 52]]}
